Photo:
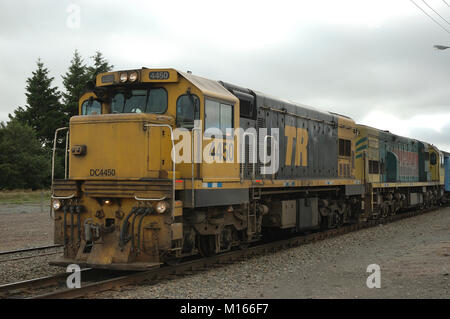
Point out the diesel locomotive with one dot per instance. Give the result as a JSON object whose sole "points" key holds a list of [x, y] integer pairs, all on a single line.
{"points": [[162, 164]]}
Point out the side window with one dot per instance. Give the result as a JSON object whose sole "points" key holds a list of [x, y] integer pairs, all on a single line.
{"points": [[226, 117], [374, 167], [433, 159], [218, 115], [345, 147], [157, 101], [212, 114], [91, 107], [188, 110]]}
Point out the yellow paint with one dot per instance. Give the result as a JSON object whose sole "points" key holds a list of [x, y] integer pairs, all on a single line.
{"points": [[369, 151], [434, 168], [346, 131], [301, 143], [441, 169], [289, 132]]}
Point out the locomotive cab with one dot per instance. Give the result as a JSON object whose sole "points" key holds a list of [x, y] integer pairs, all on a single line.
{"points": [[121, 203]]}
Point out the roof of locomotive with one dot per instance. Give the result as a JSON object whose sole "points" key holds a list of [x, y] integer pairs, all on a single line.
{"points": [[263, 99], [209, 87], [266, 100], [386, 133]]}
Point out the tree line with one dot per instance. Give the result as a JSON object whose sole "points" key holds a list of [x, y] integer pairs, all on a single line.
{"points": [[26, 140]]}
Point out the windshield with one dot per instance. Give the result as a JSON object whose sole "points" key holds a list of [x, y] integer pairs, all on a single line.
{"points": [[91, 107], [140, 101]]}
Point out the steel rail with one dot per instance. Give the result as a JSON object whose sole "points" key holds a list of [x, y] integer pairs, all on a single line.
{"points": [[9, 252], [26, 288], [29, 257]]}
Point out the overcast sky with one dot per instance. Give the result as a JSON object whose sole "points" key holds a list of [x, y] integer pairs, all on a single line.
{"points": [[372, 60]]}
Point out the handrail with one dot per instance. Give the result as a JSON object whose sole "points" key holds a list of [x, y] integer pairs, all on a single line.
{"points": [[54, 150], [193, 161], [53, 164], [66, 165], [63, 197], [149, 199], [173, 161]]}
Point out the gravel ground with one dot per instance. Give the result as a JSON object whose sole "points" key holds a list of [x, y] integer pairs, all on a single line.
{"points": [[413, 254], [12, 271], [25, 226]]}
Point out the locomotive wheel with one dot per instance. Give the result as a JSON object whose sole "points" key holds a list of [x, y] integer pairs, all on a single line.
{"points": [[173, 261], [339, 219], [206, 244]]}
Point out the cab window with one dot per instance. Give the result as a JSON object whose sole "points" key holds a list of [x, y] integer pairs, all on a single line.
{"points": [[136, 103], [117, 103], [140, 101], [218, 115], [157, 101], [91, 107], [188, 110]]}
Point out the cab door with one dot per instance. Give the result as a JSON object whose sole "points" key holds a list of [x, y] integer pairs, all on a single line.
{"points": [[434, 164], [219, 141]]}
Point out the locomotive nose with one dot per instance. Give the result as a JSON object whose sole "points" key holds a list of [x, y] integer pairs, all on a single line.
{"points": [[102, 149]]}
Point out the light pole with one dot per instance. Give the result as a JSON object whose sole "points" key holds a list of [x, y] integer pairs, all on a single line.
{"points": [[440, 47]]}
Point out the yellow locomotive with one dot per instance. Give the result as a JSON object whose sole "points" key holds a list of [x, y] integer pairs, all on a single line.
{"points": [[163, 164]]}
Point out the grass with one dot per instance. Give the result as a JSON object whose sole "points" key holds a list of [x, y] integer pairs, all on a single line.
{"points": [[24, 196]]}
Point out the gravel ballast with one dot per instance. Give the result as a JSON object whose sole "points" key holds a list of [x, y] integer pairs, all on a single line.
{"points": [[25, 226], [413, 255]]}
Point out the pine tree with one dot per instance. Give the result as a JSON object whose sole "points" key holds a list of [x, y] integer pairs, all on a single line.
{"points": [[43, 112], [100, 65], [74, 82]]}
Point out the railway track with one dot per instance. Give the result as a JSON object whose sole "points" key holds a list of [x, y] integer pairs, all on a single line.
{"points": [[25, 253], [92, 284], [53, 284]]}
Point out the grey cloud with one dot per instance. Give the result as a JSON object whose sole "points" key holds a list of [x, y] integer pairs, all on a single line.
{"points": [[346, 69], [440, 139]]}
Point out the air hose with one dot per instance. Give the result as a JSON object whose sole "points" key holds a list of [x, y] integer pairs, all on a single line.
{"points": [[139, 211], [78, 210], [124, 229], [147, 212], [65, 225]]}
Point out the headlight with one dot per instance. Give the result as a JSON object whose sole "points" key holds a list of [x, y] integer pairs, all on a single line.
{"points": [[133, 76], [107, 202], [161, 207], [56, 204], [123, 77]]}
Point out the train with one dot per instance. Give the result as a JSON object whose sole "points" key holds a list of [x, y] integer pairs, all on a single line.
{"points": [[162, 164]]}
